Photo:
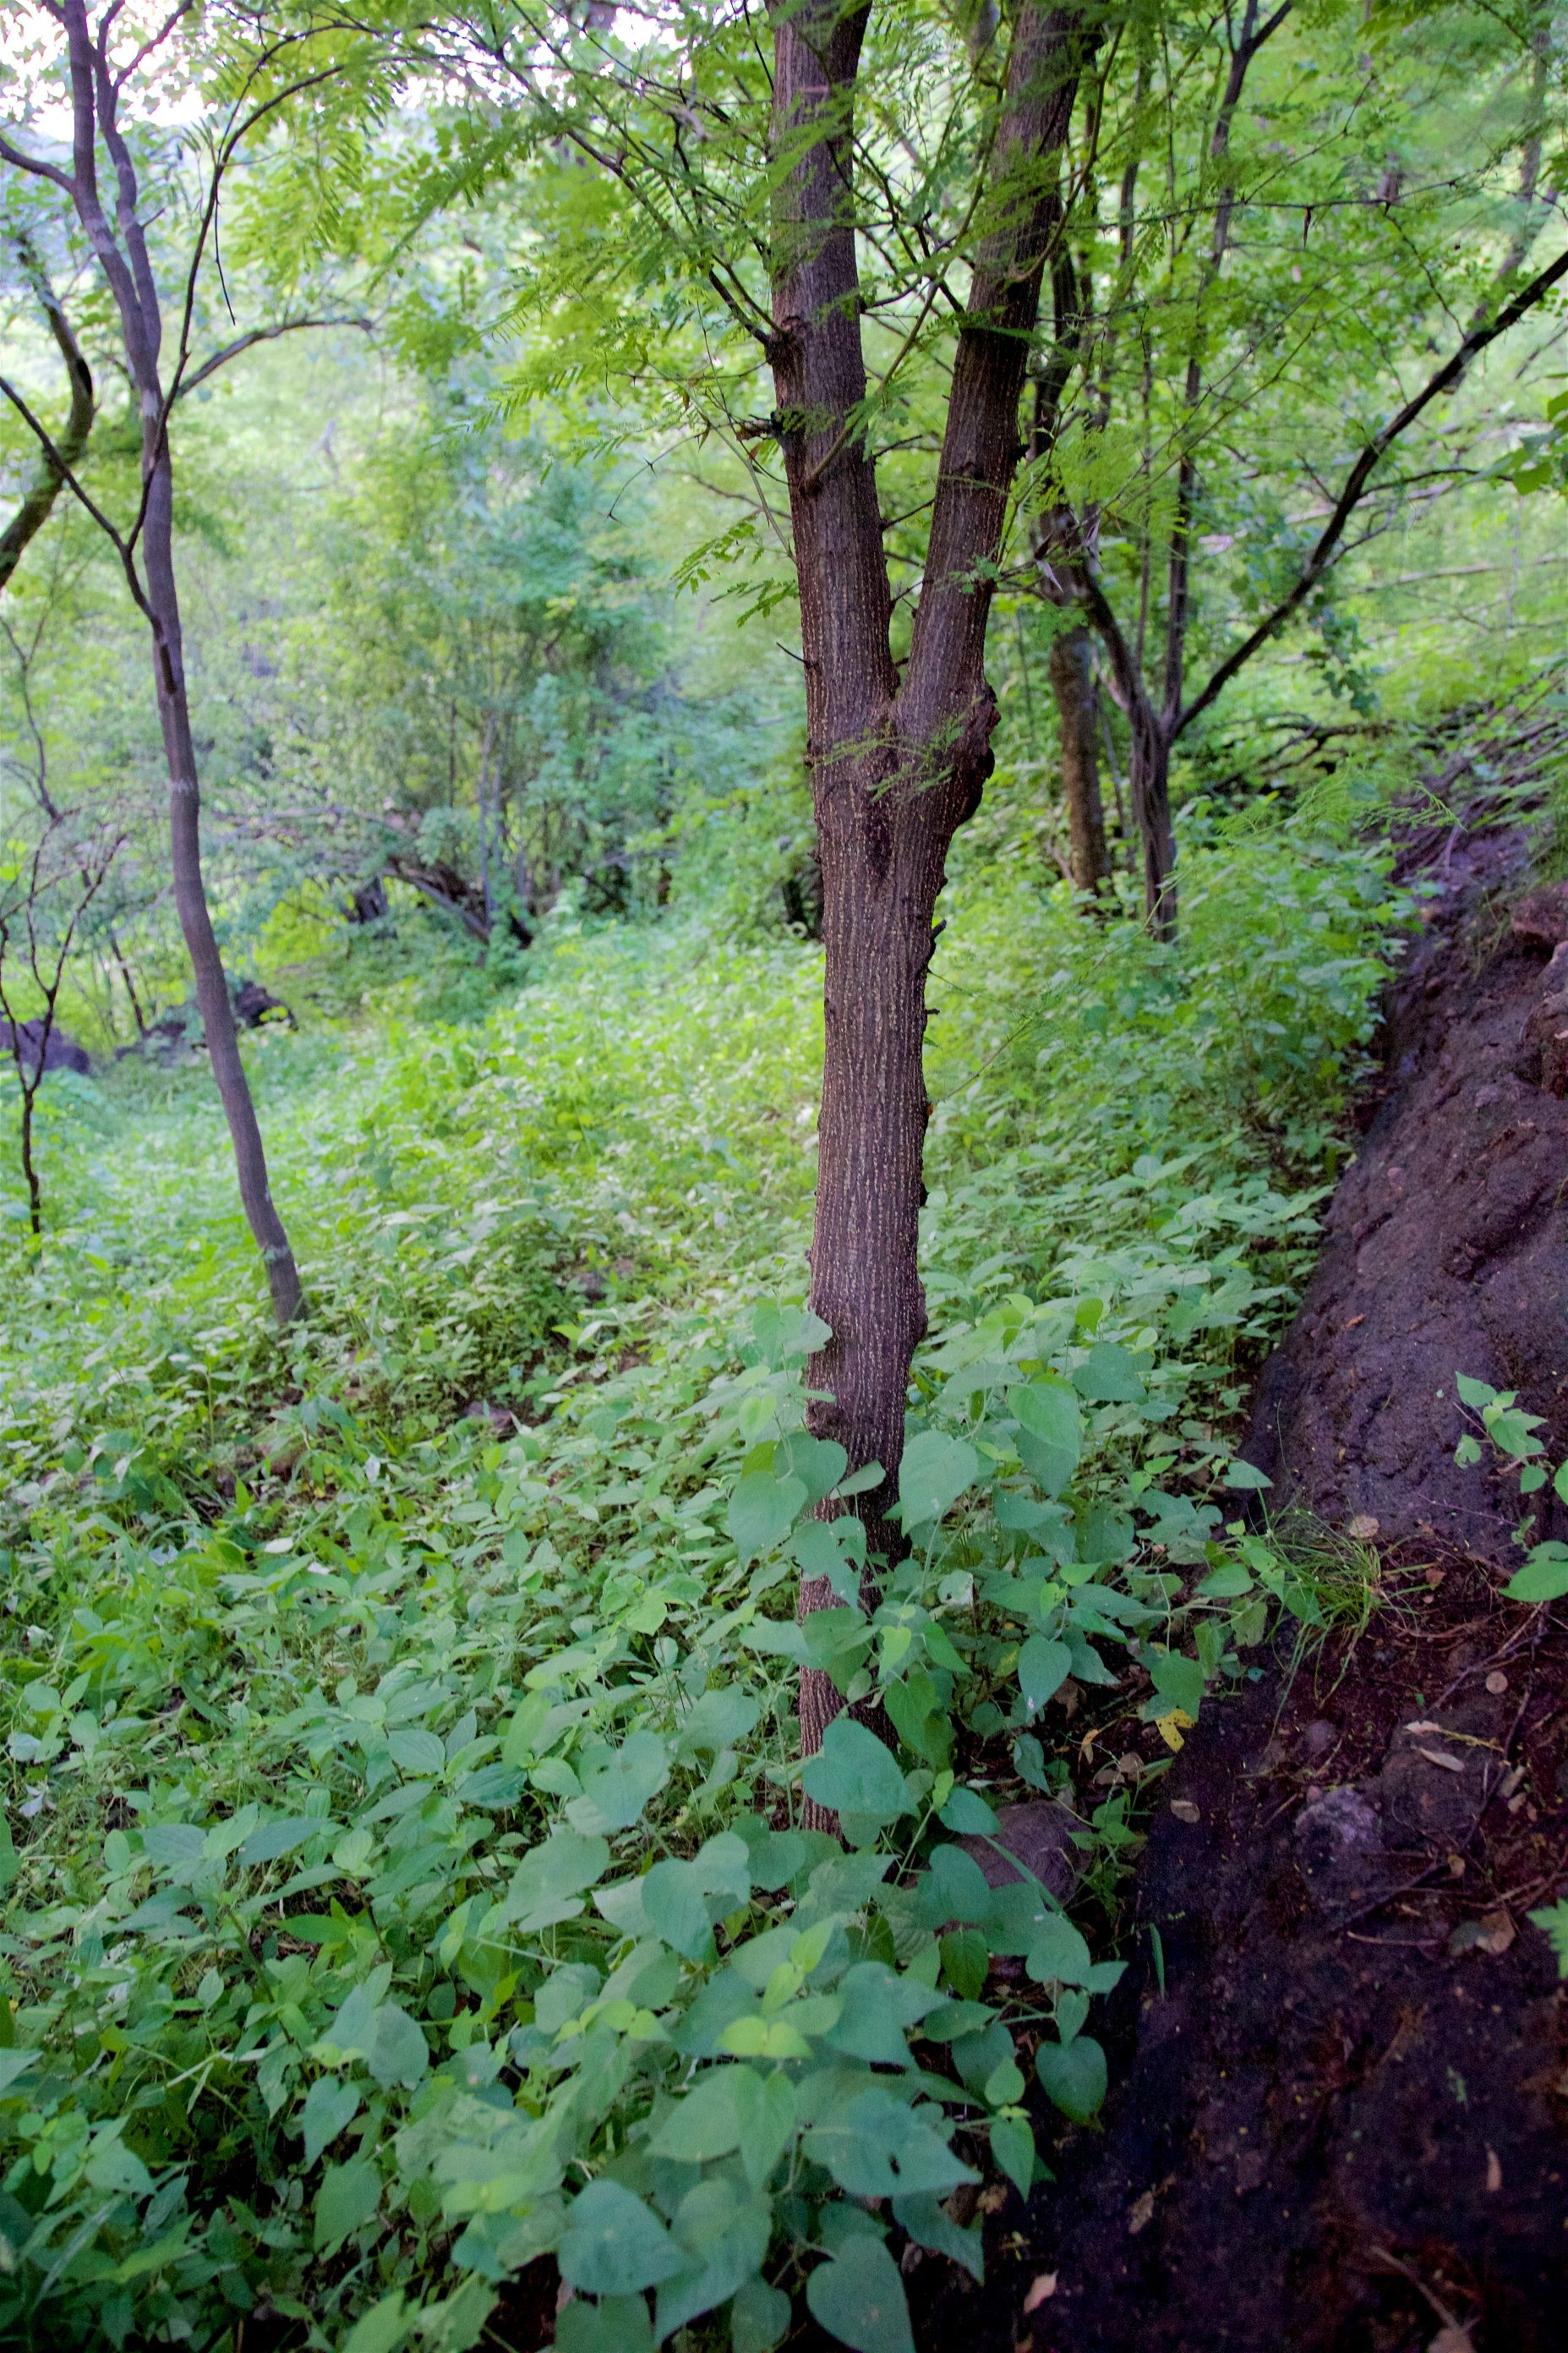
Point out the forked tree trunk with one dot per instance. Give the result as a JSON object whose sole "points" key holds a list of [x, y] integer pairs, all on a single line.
{"points": [[1077, 718], [896, 765]]}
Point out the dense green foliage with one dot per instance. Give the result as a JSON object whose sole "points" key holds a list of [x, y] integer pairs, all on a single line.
{"points": [[403, 1870], [381, 1777]]}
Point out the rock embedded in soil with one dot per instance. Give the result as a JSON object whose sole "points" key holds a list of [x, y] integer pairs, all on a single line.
{"points": [[1038, 1834]]}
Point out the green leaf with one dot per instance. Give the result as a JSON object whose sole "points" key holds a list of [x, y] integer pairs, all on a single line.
{"points": [[418, 1754], [1246, 1477], [759, 2318], [619, 2325], [1228, 1582], [1073, 2075], [1543, 1578], [614, 2245], [765, 2105], [707, 2123], [1057, 1951], [1553, 1923], [928, 2224], [1178, 1680], [934, 1472], [1560, 1483], [875, 2148], [383, 2328], [718, 1720], [1467, 1451], [398, 2051], [819, 1464], [859, 2297], [1043, 1667], [329, 2104], [1013, 2150], [762, 1510], [855, 1773], [174, 1846], [676, 1897], [347, 2198], [1050, 1432], [271, 1841], [967, 1813], [724, 2233], [834, 1549], [1109, 1376], [967, 1962], [617, 1786], [547, 1884], [111, 2166], [1476, 1394]]}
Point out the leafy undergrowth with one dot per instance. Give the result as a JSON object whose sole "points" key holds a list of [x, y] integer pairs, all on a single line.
{"points": [[404, 1880]]}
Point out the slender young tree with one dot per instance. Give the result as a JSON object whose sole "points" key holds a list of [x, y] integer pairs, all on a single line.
{"points": [[1148, 665], [114, 220]]}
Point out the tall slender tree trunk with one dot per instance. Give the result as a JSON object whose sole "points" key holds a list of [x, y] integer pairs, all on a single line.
{"points": [[127, 267], [1149, 790], [1078, 717], [897, 764], [191, 899]]}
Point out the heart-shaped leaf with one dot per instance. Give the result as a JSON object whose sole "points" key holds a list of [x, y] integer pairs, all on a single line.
{"points": [[1073, 2075]]}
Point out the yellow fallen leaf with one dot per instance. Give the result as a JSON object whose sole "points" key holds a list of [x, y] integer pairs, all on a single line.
{"points": [[1171, 1726]]}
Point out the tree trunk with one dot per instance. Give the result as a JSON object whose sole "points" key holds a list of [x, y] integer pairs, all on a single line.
{"points": [[191, 898], [121, 253], [896, 767], [1072, 682], [1149, 790]]}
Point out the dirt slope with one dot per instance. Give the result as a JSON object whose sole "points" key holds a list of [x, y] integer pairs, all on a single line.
{"points": [[1446, 1248], [1338, 2115]]}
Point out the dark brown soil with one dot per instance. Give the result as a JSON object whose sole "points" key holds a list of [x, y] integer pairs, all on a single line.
{"points": [[1338, 2113], [1345, 2116], [1445, 1247]]}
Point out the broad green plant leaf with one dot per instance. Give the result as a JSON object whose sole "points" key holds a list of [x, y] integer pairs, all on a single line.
{"points": [[855, 1773], [859, 2297], [614, 2245], [934, 1472], [348, 2197], [1073, 2075]]}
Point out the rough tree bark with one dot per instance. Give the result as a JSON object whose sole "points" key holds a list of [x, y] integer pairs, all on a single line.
{"points": [[897, 764], [1078, 717], [126, 264]]}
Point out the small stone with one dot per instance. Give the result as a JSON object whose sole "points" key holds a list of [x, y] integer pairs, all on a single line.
{"points": [[1363, 1528], [1184, 1811], [1141, 2213], [1320, 1737], [1497, 1681], [1039, 1834], [1041, 2289]]}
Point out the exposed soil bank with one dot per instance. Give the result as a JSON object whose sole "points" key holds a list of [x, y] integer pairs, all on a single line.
{"points": [[1343, 2118], [1338, 2114], [1445, 1247]]}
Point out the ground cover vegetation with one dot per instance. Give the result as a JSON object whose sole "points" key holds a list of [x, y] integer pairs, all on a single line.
{"points": [[500, 1743]]}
